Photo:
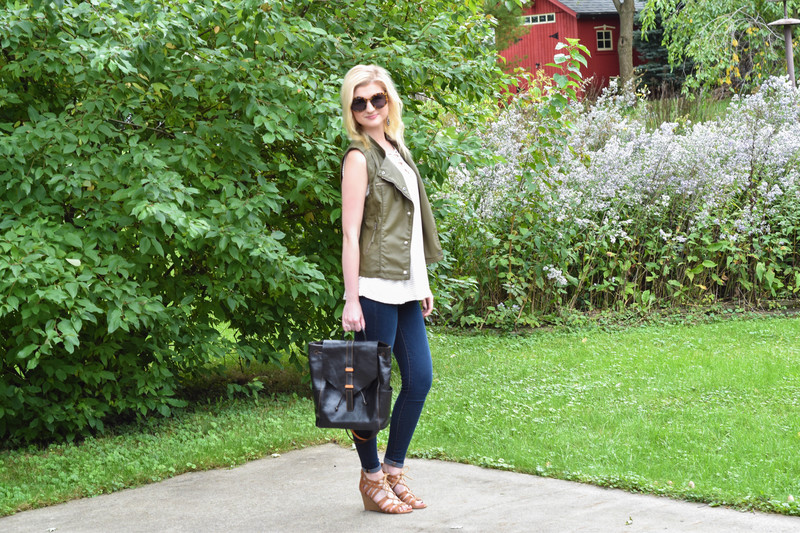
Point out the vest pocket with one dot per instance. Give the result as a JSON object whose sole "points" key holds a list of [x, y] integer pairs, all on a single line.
{"points": [[371, 237]]}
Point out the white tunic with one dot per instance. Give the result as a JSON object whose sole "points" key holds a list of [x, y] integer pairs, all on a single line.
{"points": [[417, 286]]}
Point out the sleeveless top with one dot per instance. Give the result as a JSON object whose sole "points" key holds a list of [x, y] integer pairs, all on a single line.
{"points": [[417, 286]]}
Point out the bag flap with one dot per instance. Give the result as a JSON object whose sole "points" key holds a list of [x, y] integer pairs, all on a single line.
{"points": [[364, 360]]}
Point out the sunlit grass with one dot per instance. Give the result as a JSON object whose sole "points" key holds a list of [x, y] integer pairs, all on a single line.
{"points": [[706, 413]]}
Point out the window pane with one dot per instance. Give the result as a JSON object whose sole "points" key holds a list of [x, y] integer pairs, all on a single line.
{"points": [[538, 19], [604, 40]]}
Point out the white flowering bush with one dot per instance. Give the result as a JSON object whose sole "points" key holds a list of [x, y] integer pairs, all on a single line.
{"points": [[613, 214]]}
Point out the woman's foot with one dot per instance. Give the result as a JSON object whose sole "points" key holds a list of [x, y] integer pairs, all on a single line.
{"points": [[379, 496], [395, 478]]}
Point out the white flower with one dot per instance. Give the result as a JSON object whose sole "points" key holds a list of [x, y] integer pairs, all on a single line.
{"points": [[555, 275]]}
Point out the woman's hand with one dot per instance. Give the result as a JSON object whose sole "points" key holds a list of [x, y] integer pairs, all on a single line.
{"points": [[427, 306], [352, 316]]}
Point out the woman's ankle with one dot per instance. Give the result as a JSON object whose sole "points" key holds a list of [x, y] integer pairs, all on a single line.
{"points": [[391, 470], [374, 476]]}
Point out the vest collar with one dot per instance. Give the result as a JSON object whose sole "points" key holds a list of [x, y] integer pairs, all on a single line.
{"points": [[374, 144]]}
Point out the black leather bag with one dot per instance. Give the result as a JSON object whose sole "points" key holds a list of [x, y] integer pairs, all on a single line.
{"points": [[350, 381]]}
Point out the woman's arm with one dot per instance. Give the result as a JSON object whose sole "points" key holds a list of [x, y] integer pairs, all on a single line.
{"points": [[354, 191]]}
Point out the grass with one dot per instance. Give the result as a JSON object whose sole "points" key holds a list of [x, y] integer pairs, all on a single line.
{"points": [[705, 413], [683, 109]]}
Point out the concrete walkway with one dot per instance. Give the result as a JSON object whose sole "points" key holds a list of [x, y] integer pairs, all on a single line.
{"points": [[315, 490]]}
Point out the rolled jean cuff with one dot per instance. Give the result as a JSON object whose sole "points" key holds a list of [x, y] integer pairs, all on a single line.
{"points": [[392, 463], [372, 470]]}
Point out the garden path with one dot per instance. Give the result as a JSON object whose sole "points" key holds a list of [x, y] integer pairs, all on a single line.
{"points": [[315, 489]]}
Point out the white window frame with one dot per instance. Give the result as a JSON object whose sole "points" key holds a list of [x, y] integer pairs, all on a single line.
{"points": [[539, 18], [609, 30]]}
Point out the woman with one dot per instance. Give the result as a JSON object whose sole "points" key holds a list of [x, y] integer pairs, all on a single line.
{"points": [[389, 236]]}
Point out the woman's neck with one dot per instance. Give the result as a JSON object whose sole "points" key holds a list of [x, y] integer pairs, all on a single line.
{"points": [[379, 136]]}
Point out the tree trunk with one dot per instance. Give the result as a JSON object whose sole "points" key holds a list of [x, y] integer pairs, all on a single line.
{"points": [[626, 10]]}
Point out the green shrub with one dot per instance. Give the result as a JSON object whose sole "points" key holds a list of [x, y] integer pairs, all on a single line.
{"points": [[167, 167]]}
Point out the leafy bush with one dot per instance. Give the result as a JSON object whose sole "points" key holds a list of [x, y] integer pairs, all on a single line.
{"points": [[493, 270], [168, 167], [698, 213]]}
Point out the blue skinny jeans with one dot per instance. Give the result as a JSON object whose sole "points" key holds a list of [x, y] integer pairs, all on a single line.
{"points": [[402, 327]]}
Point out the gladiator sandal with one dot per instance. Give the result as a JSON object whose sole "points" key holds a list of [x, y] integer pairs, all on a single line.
{"points": [[404, 493], [389, 504]]}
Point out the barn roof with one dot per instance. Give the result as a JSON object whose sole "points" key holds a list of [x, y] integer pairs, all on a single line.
{"points": [[596, 7]]}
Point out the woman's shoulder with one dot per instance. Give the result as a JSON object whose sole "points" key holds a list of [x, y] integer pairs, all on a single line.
{"points": [[357, 144], [356, 149], [355, 155], [354, 162]]}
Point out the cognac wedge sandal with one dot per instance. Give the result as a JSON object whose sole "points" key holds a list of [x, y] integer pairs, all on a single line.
{"points": [[389, 504]]}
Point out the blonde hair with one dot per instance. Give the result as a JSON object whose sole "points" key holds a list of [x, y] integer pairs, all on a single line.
{"points": [[364, 75]]}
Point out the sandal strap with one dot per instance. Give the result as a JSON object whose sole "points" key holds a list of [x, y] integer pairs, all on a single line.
{"points": [[407, 496], [391, 503]]}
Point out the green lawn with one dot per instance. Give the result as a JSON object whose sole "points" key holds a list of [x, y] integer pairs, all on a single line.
{"points": [[706, 413]]}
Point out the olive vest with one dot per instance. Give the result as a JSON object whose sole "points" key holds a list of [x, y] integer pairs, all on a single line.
{"points": [[385, 239]]}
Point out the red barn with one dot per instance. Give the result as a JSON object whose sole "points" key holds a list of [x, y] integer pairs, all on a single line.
{"points": [[594, 22]]}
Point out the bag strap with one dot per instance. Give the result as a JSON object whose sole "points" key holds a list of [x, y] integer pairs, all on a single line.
{"points": [[349, 368], [348, 375], [363, 334], [357, 439]]}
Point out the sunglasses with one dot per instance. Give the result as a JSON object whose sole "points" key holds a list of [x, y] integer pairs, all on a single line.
{"points": [[378, 100]]}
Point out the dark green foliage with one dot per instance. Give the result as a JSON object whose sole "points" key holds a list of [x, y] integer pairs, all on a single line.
{"points": [[656, 73], [509, 27], [168, 167]]}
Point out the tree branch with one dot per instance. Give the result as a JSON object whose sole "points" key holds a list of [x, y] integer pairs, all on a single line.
{"points": [[138, 127]]}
